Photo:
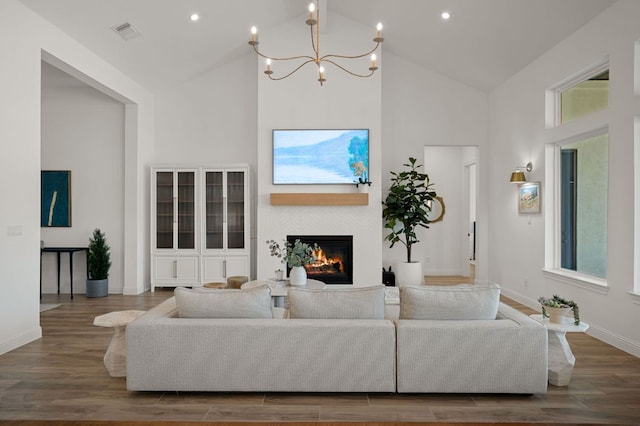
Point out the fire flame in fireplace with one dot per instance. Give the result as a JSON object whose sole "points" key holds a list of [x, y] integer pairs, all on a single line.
{"points": [[325, 264]]}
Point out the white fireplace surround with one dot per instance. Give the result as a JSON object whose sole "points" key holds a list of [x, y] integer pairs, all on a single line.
{"points": [[296, 220]]}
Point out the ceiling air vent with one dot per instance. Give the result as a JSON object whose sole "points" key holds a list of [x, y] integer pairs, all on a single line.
{"points": [[126, 31]]}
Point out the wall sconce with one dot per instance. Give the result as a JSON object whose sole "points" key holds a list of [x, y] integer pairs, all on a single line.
{"points": [[518, 175]]}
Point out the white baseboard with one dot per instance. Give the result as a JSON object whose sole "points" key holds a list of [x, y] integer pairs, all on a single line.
{"points": [[614, 339], [594, 330], [23, 339]]}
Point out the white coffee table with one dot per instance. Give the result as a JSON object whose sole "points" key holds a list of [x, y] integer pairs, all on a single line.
{"points": [[280, 289], [561, 359]]}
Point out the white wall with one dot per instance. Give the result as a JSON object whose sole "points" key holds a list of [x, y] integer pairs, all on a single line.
{"points": [[20, 170], [447, 243], [24, 37], [421, 108], [211, 120], [518, 135], [299, 102], [83, 131]]}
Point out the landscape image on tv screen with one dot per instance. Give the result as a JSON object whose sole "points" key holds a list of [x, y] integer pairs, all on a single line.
{"points": [[320, 156]]}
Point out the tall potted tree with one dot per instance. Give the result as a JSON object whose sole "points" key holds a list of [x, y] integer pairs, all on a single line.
{"points": [[98, 263], [405, 208]]}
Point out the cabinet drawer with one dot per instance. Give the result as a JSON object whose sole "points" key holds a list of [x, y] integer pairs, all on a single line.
{"points": [[169, 270], [219, 267]]}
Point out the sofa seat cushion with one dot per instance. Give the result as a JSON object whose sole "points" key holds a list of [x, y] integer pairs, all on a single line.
{"points": [[458, 302], [341, 303], [225, 303]]}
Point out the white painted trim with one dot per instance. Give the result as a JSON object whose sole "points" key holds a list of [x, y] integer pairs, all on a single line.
{"points": [[598, 130], [597, 285], [636, 202], [634, 296], [20, 340], [553, 116], [582, 75]]}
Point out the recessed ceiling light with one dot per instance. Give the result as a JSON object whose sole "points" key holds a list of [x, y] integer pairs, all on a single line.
{"points": [[194, 17], [445, 15]]}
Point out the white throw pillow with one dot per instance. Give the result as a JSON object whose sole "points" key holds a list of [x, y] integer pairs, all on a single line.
{"points": [[457, 302], [224, 303], [340, 303]]}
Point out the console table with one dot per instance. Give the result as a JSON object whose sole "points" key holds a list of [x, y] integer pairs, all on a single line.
{"points": [[58, 250]]}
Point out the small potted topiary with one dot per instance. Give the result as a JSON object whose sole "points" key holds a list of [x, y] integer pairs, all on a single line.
{"points": [[98, 264]]}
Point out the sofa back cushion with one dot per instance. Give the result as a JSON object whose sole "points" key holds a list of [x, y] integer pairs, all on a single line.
{"points": [[340, 303], [224, 303], [457, 302]]}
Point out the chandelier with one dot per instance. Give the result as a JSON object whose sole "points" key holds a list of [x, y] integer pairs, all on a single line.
{"points": [[317, 58]]}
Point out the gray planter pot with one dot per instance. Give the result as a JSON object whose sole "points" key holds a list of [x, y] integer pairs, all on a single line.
{"points": [[97, 288]]}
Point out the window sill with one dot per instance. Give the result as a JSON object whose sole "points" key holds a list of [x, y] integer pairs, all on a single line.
{"points": [[597, 285], [634, 296]]}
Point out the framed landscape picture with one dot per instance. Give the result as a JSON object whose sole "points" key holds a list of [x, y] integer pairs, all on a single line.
{"points": [[529, 198], [55, 198]]}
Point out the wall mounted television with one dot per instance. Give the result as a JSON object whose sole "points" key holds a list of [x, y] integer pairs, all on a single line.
{"points": [[317, 157]]}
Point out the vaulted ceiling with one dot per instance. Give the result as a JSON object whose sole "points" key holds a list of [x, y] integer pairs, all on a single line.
{"points": [[483, 44]]}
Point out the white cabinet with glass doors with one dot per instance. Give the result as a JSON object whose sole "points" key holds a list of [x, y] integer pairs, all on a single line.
{"points": [[174, 227], [225, 242], [199, 225]]}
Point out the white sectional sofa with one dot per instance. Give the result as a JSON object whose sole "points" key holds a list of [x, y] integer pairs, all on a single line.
{"points": [[337, 340], [166, 352]]}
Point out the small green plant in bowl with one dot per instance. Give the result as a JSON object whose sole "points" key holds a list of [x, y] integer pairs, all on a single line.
{"points": [[557, 302]]}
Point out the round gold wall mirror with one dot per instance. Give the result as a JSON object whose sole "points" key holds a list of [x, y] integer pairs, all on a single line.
{"points": [[437, 210]]}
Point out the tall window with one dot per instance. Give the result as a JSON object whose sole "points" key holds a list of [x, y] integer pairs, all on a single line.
{"points": [[577, 174], [583, 206]]}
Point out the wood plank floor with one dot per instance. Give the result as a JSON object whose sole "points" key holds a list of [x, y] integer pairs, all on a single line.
{"points": [[62, 377]]}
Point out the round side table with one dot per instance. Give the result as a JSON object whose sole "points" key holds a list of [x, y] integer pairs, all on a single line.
{"points": [[561, 359], [115, 359]]}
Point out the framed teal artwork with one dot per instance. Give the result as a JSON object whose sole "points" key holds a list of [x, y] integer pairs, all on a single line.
{"points": [[55, 200]]}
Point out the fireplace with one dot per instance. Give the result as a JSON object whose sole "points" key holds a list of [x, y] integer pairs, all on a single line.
{"points": [[335, 258]]}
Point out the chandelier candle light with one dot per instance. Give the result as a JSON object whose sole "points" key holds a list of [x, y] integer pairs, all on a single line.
{"points": [[314, 21]]}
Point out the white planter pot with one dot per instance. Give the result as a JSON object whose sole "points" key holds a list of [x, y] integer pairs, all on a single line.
{"points": [[556, 315], [298, 276], [409, 274], [363, 188]]}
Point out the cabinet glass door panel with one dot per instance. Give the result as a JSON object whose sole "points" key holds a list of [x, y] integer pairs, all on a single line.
{"points": [[214, 210], [164, 210], [235, 210], [186, 210]]}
